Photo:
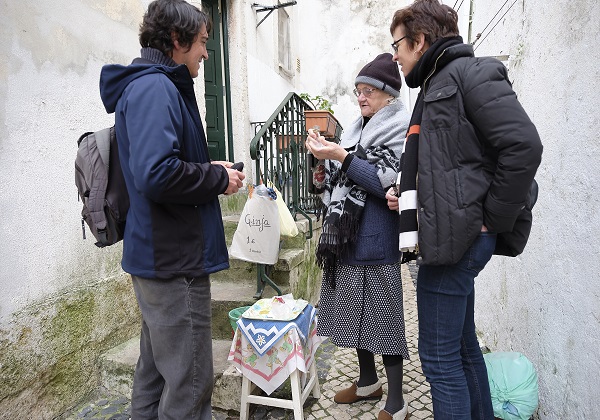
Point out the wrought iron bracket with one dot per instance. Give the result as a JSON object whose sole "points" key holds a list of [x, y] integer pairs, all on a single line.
{"points": [[269, 9]]}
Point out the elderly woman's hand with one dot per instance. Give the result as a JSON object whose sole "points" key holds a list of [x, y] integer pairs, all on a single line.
{"points": [[392, 199], [323, 149]]}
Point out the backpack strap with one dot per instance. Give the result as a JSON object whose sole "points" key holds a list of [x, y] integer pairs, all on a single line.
{"points": [[103, 145], [98, 190]]}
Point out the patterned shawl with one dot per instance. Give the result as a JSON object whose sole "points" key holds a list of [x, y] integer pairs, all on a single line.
{"points": [[379, 141]]}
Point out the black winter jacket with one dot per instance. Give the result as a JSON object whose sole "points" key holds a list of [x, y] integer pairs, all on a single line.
{"points": [[478, 154]]}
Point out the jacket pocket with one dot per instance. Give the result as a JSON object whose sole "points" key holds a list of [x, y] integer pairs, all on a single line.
{"points": [[437, 93], [440, 125], [460, 202], [442, 107], [370, 248]]}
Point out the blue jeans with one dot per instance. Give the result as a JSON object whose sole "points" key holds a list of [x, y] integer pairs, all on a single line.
{"points": [[450, 354], [173, 378]]}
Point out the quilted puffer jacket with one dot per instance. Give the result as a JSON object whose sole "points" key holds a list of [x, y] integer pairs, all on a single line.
{"points": [[478, 154]]}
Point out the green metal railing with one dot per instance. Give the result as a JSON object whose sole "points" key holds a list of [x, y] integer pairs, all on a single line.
{"points": [[282, 160]]}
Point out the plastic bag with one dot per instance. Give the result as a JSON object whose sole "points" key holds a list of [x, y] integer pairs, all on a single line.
{"points": [[287, 224], [256, 238], [513, 385]]}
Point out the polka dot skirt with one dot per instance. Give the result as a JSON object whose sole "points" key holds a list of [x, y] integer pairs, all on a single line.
{"points": [[365, 309]]}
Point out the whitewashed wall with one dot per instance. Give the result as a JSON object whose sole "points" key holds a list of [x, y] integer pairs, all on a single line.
{"points": [[237, 15], [546, 303], [62, 298], [331, 41], [52, 54], [336, 39], [267, 85]]}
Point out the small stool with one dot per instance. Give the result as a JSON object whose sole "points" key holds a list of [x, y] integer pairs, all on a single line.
{"points": [[299, 395]]}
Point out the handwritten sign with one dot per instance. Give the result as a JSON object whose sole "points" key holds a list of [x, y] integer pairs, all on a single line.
{"points": [[261, 222], [256, 238]]}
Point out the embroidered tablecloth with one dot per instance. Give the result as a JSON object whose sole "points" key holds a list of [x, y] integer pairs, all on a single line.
{"points": [[288, 353], [264, 333]]}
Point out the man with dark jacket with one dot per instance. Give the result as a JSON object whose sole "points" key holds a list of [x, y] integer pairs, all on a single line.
{"points": [[174, 233]]}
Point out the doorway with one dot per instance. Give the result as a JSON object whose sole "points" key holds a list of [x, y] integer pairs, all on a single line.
{"points": [[216, 123]]}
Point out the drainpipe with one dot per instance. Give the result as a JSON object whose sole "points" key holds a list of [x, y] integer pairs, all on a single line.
{"points": [[228, 112], [469, 36]]}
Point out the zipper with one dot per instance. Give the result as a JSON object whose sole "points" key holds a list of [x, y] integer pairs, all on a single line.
{"points": [[424, 90], [432, 71]]}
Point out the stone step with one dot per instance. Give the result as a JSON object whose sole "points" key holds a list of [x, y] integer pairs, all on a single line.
{"points": [[228, 295], [230, 289], [227, 392], [118, 365], [117, 368], [288, 260], [283, 273]]}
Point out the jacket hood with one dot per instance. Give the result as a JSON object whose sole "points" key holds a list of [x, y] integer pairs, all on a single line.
{"points": [[114, 78]]}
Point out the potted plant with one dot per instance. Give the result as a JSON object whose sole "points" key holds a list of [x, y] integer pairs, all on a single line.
{"points": [[321, 118]]}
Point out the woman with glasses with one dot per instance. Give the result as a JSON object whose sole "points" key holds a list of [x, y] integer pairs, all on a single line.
{"points": [[361, 295], [470, 157]]}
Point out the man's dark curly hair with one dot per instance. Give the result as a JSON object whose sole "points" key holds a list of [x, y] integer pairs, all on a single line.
{"points": [[165, 18]]}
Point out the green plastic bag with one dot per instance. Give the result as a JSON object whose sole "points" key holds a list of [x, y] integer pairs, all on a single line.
{"points": [[513, 384]]}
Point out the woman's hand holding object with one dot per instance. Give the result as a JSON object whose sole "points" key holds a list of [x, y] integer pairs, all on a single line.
{"points": [[392, 199]]}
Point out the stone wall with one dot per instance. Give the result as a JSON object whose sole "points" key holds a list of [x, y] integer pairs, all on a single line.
{"points": [[48, 357]]}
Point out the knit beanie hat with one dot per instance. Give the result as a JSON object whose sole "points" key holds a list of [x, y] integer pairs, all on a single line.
{"points": [[381, 73]]}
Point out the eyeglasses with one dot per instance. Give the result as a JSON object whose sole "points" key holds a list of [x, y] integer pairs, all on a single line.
{"points": [[395, 43], [367, 92]]}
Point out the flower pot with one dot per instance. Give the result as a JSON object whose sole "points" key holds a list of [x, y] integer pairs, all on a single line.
{"points": [[321, 120], [285, 140]]}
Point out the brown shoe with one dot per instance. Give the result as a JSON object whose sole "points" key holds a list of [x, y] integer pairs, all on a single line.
{"points": [[359, 393], [400, 415]]}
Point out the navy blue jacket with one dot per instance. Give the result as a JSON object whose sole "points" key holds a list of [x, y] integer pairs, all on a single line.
{"points": [[377, 242], [174, 226]]}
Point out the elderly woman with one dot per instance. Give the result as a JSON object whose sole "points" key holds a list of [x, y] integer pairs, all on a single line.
{"points": [[474, 152], [361, 296]]}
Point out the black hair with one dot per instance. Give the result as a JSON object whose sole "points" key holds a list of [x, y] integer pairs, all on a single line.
{"points": [[166, 19]]}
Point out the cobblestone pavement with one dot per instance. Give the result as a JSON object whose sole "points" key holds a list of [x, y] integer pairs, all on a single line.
{"points": [[336, 367]]}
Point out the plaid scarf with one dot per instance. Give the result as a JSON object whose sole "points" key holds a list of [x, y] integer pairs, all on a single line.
{"points": [[379, 142]]}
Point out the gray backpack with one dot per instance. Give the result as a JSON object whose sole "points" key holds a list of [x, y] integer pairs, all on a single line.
{"points": [[101, 186]]}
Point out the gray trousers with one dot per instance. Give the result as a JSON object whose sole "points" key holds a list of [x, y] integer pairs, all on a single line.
{"points": [[174, 375]]}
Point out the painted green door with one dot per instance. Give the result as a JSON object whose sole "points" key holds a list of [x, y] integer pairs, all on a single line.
{"points": [[213, 83]]}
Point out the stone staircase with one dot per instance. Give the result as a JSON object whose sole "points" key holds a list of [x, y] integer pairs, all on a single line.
{"points": [[295, 272]]}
